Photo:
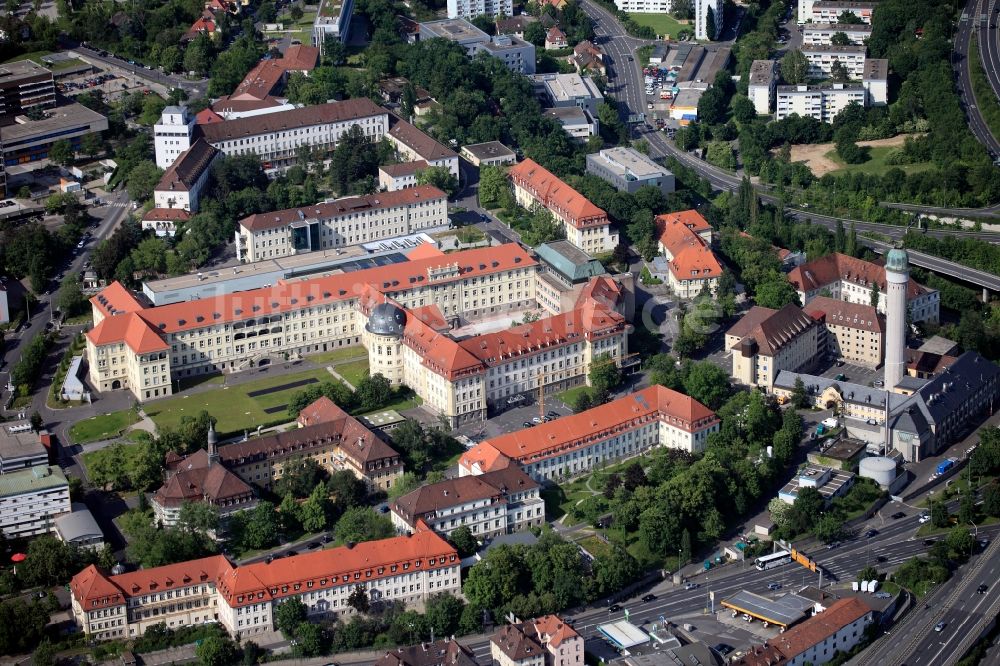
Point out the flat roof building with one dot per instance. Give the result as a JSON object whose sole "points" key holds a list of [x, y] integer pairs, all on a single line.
{"points": [[578, 123], [20, 447], [822, 33], [79, 528], [29, 141], [24, 85], [822, 102], [490, 153], [762, 85], [568, 90], [830, 483], [333, 20], [627, 170], [30, 500], [517, 54], [875, 80], [822, 58]]}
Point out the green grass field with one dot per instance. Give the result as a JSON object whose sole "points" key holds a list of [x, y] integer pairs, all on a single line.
{"points": [[101, 427], [354, 371], [338, 356], [234, 409], [876, 165], [663, 24], [570, 396], [128, 451]]}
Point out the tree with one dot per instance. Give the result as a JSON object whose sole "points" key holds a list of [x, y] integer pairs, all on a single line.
{"points": [[708, 384], [960, 542], [794, 67], [198, 516], [49, 561], [358, 599], [313, 511], [800, 398], [310, 640], [868, 573], [440, 177], [373, 392], [197, 55], [685, 547], [217, 651], [362, 523], [847, 17], [295, 12], [534, 32], [299, 477], [61, 152], [604, 374], [142, 179], [36, 421], [711, 30], [463, 541], [743, 109], [289, 615], [494, 188], [840, 39], [839, 73], [776, 293], [991, 499], [92, 144], [44, 654], [939, 514], [967, 513], [261, 527], [873, 298], [22, 625], [70, 298]]}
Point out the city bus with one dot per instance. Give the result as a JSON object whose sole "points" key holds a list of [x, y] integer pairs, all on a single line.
{"points": [[773, 560]]}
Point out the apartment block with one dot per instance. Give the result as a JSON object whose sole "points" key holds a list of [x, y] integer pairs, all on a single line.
{"points": [[395, 177], [876, 81], [575, 444], [829, 11], [24, 85], [766, 341], [586, 225], [645, 6], [850, 331], [341, 223], [850, 279], [333, 21], [30, 500], [763, 85], [627, 170], [821, 34], [708, 19], [498, 502], [820, 102], [822, 58], [243, 599]]}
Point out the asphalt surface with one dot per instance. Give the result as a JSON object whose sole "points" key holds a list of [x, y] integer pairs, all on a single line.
{"points": [[989, 52], [194, 89]]}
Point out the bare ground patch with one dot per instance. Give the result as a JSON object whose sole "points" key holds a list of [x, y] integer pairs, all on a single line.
{"points": [[814, 154]]}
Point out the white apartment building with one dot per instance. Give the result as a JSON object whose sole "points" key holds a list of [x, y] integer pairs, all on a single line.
{"points": [[575, 444], [706, 12], [850, 279], [242, 598], [30, 499], [766, 341], [412, 145], [821, 59], [341, 223], [332, 20], [820, 102], [645, 6], [569, 90], [829, 11], [876, 81], [275, 138], [172, 135], [21, 447], [498, 502], [821, 34], [627, 170], [469, 9], [516, 54], [762, 85]]}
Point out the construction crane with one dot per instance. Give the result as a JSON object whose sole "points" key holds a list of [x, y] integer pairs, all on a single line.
{"points": [[624, 361]]}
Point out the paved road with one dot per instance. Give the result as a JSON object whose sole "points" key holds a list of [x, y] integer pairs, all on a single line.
{"points": [[194, 89], [967, 28], [942, 266]]}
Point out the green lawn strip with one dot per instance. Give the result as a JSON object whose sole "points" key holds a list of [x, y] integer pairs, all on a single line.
{"points": [[595, 546], [663, 24], [104, 426], [128, 450], [354, 371], [34, 56], [338, 356], [233, 408], [876, 165], [570, 396]]}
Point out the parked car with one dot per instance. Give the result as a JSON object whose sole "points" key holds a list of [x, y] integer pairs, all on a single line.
{"points": [[923, 518], [649, 597], [536, 419], [614, 608], [527, 424], [723, 648], [898, 515]]}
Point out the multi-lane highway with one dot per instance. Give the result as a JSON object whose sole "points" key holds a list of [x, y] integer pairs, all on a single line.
{"points": [[969, 26]]}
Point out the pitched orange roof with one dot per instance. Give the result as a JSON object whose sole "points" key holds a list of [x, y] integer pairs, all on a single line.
{"points": [[172, 576], [695, 263], [320, 411], [93, 589], [690, 257], [166, 215], [365, 562], [430, 315], [116, 299], [556, 195], [424, 251], [552, 630], [561, 435], [820, 627], [129, 328], [287, 296], [691, 219], [603, 290], [835, 267], [300, 58], [481, 459]]}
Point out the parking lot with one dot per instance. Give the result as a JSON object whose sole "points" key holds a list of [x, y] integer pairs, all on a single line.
{"points": [[513, 419], [855, 374]]}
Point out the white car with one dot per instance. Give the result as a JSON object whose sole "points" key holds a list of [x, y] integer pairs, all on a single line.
{"points": [[923, 518], [831, 422]]}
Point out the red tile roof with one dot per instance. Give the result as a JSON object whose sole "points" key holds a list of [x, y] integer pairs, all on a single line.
{"points": [[166, 215], [434, 497], [445, 652], [424, 145], [603, 290], [228, 104], [298, 294], [424, 251], [194, 480], [189, 166], [206, 116], [771, 329], [280, 121], [260, 82], [346, 206], [129, 328], [404, 168], [820, 627], [300, 58], [691, 258], [556, 195], [321, 410], [552, 630], [836, 312], [821, 272], [557, 437], [116, 299]]}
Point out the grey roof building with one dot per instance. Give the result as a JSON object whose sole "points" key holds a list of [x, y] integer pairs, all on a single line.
{"points": [[20, 447], [571, 263], [80, 528], [628, 170]]}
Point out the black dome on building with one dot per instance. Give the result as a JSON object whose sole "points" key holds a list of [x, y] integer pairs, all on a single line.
{"points": [[386, 319]]}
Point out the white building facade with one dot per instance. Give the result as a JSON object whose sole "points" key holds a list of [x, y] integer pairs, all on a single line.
{"points": [[822, 103], [30, 499], [472, 8], [708, 19]]}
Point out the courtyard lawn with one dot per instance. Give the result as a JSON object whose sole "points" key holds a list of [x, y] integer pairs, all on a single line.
{"points": [[233, 407], [570, 396], [338, 356], [876, 164], [663, 24], [354, 371], [105, 426], [129, 451]]}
